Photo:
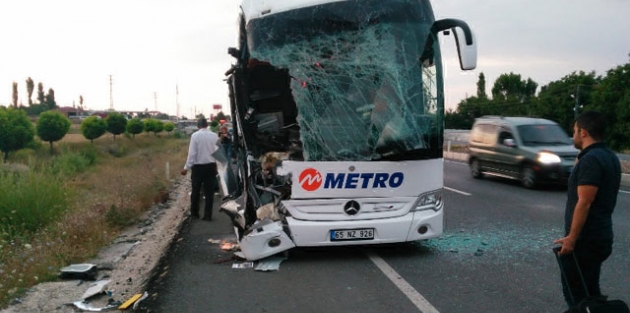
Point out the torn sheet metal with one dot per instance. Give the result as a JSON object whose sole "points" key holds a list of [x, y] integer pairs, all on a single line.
{"points": [[231, 208], [95, 289], [265, 240], [271, 263], [144, 296], [85, 306]]}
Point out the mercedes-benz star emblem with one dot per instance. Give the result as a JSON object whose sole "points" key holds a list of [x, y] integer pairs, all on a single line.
{"points": [[352, 207]]}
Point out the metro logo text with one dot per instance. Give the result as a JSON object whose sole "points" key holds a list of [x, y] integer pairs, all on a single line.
{"points": [[311, 180]]}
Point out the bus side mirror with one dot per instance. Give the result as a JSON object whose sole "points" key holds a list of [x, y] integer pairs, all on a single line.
{"points": [[467, 52], [464, 39]]}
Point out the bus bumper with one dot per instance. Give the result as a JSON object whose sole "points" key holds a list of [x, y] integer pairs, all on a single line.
{"points": [[410, 227]]}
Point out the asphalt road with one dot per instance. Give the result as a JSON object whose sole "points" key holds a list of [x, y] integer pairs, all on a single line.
{"points": [[495, 256]]}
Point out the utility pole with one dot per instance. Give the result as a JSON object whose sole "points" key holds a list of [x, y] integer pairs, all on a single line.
{"points": [[111, 98], [177, 99]]}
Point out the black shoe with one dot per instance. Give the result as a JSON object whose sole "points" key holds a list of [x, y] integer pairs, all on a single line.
{"points": [[194, 216]]}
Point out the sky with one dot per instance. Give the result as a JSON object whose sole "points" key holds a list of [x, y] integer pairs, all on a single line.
{"points": [[154, 54]]}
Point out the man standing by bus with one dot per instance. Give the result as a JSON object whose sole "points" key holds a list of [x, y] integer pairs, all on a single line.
{"points": [[203, 144], [592, 195]]}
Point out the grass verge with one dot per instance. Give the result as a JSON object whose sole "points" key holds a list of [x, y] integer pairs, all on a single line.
{"points": [[62, 209]]}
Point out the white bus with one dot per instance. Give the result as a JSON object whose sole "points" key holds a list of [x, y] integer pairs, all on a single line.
{"points": [[338, 112]]}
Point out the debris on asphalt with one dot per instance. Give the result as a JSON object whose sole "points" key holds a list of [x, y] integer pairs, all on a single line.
{"points": [[144, 296], [79, 271], [95, 289], [131, 301], [228, 246], [85, 306], [243, 265], [271, 263]]}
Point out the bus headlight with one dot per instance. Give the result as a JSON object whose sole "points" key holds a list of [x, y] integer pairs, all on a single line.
{"points": [[429, 201], [548, 158]]}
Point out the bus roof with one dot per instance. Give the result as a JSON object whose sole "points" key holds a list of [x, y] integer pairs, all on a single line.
{"points": [[254, 9]]}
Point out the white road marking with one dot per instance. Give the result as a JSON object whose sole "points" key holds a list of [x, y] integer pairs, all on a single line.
{"points": [[623, 191], [457, 191], [456, 162], [416, 298]]}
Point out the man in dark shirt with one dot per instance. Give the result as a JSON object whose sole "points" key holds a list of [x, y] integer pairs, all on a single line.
{"points": [[592, 194]]}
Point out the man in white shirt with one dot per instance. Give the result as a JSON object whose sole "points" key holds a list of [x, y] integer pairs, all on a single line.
{"points": [[203, 144]]}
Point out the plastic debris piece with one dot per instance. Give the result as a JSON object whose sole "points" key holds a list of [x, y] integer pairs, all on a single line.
{"points": [[129, 302], [239, 254], [243, 265], [85, 306], [80, 271], [271, 263], [144, 296], [228, 246], [95, 288], [215, 241]]}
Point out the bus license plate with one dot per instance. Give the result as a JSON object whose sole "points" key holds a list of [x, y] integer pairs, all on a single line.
{"points": [[352, 234]]}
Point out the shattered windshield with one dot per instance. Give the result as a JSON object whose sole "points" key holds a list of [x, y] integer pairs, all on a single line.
{"points": [[544, 135], [364, 86]]}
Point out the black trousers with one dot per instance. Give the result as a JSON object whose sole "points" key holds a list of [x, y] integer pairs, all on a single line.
{"points": [[590, 256], [203, 175]]}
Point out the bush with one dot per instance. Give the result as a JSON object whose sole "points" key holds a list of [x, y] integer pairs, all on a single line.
{"points": [[30, 201], [120, 217], [69, 164]]}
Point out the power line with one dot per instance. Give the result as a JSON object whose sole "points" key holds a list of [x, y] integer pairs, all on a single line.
{"points": [[111, 98]]}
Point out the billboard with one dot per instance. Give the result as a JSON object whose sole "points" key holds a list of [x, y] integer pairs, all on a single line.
{"points": [[217, 107]]}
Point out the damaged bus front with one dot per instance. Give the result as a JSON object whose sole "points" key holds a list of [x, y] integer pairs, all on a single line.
{"points": [[338, 111]]}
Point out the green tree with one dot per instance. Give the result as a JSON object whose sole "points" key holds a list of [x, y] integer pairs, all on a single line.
{"points": [[135, 126], [16, 131], [30, 86], [220, 116], [214, 125], [612, 98], [93, 127], [51, 104], [153, 125], [557, 100], [52, 126], [14, 95], [41, 98], [169, 127], [116, 124], [512, 95], [454, 120], [481, 87], [162, 116], [159, 127]]}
